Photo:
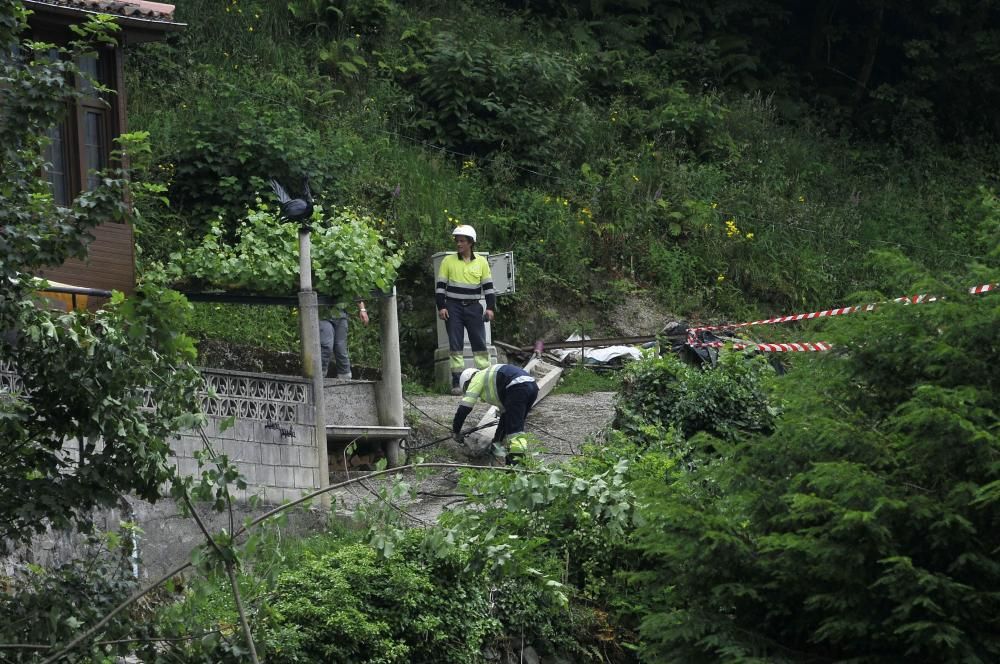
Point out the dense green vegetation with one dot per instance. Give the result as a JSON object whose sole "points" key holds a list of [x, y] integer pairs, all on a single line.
{"points": [[726, 158], [846, 511], [708, 153]]}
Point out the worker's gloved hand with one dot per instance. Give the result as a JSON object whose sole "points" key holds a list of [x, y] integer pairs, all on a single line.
{"points": [[458, 438]]}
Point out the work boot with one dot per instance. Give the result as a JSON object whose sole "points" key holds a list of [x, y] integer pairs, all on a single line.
{"points": [[455, 388]]}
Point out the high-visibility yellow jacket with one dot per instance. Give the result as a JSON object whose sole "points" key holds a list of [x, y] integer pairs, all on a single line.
{"points": [[458, 279], [490, 385]]}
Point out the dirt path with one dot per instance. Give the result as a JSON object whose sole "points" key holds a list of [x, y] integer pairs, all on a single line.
{"points": [[563, 422]]}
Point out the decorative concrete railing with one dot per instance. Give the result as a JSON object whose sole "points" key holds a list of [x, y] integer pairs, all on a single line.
{"points": [[9, 381], [272, 440]]}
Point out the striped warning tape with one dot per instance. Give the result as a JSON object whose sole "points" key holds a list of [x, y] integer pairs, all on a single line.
{"points": [[909, 299], [800, 347]]}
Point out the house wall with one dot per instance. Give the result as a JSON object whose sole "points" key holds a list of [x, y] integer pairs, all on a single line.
{"points": [[110, 264]]}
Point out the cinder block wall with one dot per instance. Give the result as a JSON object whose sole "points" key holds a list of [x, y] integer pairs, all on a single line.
{"points": [[272, 438]]}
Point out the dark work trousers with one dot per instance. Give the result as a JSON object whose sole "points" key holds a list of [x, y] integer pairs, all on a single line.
{"points": [[333, 341], [462, 318], [517, 403]]}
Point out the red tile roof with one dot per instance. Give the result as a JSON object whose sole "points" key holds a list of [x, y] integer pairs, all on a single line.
{"points": [[133, 9]]}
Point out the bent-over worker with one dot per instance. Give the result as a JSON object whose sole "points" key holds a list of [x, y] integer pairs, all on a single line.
{"points": [[512, 390]]}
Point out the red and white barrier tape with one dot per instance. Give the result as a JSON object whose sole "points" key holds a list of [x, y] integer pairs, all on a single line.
{"points": [[909, 299], [801, 347]]}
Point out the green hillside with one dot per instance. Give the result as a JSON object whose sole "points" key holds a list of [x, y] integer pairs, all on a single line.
{"points": [[704, 154], [721, 159]]}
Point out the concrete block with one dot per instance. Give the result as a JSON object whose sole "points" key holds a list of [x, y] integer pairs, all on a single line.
{"points": [[211, 427], [187, 468], [289, 455], [251, 451], [249, 472], [351, 403], [239, 450], [265, 476], [270, 455], [244, 430], [274, 495], [305, 478], [308, 458], [283, 476], [299, 433], [293, 494]]}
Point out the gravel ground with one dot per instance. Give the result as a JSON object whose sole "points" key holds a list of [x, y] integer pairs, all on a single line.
{"points": [[562, 422]]}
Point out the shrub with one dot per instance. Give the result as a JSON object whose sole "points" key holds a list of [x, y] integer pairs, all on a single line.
{"points": [[863, 528], [51, 606], [349, 606], [483, 98], [728, 400], [349, 257]]}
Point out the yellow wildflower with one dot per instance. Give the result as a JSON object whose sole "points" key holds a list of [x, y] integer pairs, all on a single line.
{"points": [[720, 278], [802, 199], [715, 205], [749, 236]]}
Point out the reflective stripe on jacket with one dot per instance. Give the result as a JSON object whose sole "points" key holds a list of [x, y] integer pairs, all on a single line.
{"points": [[491, 384], [464, 280]]}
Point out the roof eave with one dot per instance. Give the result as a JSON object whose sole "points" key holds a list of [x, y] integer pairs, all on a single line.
{"points": [[137, 29]]}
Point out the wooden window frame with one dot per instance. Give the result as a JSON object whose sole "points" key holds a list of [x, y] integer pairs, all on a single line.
{"points": [[74, 123]]}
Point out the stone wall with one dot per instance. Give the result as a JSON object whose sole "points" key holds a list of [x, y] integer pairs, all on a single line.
{"points": [[272, 437], [271, 442]]}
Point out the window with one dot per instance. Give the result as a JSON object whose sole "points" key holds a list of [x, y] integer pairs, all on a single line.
{"points": [[80, 145], [56, 165]]}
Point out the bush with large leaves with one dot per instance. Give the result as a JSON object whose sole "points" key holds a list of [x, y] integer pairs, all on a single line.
{"points": [[349, 256]]}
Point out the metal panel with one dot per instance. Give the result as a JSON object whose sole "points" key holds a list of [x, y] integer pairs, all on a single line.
{"points": [[502, 267]]}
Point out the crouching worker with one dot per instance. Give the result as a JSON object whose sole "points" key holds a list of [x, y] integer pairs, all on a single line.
{"points": [[509, 388]]}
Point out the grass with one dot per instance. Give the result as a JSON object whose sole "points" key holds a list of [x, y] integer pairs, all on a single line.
{"points": [[583, 380]]}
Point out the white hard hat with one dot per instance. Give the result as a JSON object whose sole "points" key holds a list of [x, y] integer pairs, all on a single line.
{"points": [[465, 230], [466, 377]]}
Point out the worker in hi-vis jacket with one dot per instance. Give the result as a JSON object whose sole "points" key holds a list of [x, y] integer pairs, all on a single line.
{"points": [[462, 280], [509, 388]]}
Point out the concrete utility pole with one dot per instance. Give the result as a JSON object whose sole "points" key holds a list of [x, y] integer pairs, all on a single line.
{"points": [[311, 358], [389, 390]]}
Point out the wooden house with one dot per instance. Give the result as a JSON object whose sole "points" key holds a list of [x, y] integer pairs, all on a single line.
{"points": [[82, 143]]}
